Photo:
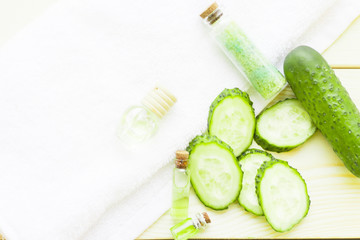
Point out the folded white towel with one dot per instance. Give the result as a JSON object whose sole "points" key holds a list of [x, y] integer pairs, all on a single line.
{"points": [[67, 78]]}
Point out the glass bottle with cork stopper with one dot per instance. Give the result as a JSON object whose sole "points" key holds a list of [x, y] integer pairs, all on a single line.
{"points": [[181, 186], [190, 227], [263, 76], [140, 122]]}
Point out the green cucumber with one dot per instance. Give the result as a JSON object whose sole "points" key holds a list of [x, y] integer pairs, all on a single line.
{"points": [[215, 173], [250, 161], [283, 126], [282, 194], [232, 119], [327, 101]]}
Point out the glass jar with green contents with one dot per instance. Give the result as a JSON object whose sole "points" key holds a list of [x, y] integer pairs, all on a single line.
{"points": [[189, 227], [181, 186], [263, 76]]}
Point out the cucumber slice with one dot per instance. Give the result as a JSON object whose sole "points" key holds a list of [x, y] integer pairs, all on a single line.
{"points": [[215, 173], [232, 119], [283, 126], [282, 194], [250, 161]]}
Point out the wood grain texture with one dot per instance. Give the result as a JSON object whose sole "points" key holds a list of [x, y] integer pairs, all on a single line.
{"points": [[345, 52], [333, 190]]}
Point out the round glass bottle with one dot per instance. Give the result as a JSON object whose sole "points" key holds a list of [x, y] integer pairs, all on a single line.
{"points": [[139, 123]]}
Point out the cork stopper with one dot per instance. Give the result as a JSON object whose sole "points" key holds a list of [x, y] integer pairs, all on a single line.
{"points": [[209, 10], [181, 160], [182, 154], [206, 217], [159, 101]]}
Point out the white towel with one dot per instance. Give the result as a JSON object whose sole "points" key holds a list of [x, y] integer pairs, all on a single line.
{"points": [[66, 79]]}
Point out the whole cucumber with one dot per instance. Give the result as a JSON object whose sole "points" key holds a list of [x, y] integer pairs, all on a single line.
{"points": [[327, 101]]}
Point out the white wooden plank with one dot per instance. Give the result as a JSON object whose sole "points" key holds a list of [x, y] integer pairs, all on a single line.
{"points": [[345, 52]]}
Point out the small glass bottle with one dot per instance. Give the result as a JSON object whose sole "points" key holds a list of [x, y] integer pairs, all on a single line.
{"points": [[263, 76], [181, 186], [189, 227], [139, 123]]}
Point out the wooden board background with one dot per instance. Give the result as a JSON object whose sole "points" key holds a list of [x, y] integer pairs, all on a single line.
{"points": [[333, 190]]}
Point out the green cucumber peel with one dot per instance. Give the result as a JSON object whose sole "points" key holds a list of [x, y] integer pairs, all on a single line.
{"points": [[327, 101], [232, 119], [283, 126], [282, 194], [249, 163], [215, 173]]}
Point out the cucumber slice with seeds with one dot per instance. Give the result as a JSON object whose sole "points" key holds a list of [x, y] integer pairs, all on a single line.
{"points": [[250, 161], [283, 126], [282, 194], [232, 119], [215, 173]]}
